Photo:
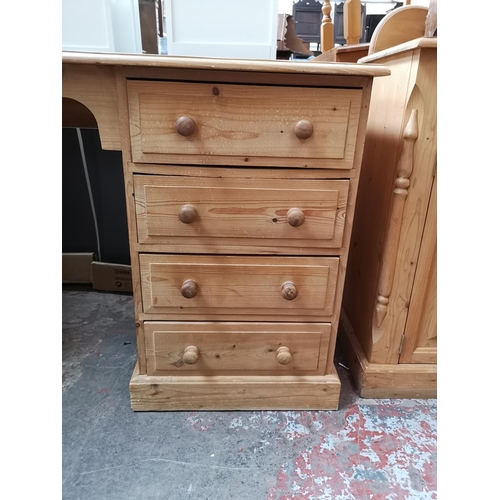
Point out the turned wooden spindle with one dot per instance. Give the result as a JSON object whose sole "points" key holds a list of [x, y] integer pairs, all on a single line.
{"points": [[289, 290], [189, 289], [303, 129], [185, 126], [389, 255], [191, 355], [352, 21], [327, 42], [283, 355], [188, 214], [295, 217]]}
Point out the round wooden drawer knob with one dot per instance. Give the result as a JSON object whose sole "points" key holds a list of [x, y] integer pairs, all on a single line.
{"points": [[283, 355], [188, 214], [185, 126], [189, 289], [191, 355], [303, 129], [289, 290], [295, 217]]}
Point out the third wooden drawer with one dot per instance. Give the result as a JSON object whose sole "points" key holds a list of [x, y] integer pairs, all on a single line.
{"points": [[216, 285]]}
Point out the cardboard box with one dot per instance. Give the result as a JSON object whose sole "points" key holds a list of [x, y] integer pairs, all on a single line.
{"points": [[77, 267], [111, 277]]}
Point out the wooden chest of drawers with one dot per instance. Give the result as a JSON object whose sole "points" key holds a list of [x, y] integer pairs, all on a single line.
{"points": [[241, 180]]}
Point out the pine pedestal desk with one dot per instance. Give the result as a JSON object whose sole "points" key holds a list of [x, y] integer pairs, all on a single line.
{"points": [[241, 180]]}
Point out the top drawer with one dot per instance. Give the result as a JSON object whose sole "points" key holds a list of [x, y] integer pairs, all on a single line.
{"points": [[175, 122]]}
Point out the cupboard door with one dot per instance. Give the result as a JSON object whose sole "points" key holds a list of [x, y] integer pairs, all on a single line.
{"points": [[420, 342]]}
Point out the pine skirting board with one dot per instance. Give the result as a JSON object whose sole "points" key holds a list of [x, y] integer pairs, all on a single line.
{"points": [[385, 380], [152, 393]]}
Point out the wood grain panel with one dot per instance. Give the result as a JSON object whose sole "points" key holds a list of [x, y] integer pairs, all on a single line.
{"points": [[95, 88], [412, 86], [420, 343], [376, 184], [399, 26], [422, 97]]}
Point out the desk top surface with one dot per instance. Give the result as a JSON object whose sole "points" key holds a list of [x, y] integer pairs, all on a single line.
{"points": [[418, 43], [201, 63]]}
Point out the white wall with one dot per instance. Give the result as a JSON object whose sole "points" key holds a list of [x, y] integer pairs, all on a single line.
{"points": [[101, 26], [126, 25], [285, 6]]}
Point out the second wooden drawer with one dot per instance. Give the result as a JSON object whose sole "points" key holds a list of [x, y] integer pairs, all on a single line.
{"points": [[268, 212], [237, 285]]}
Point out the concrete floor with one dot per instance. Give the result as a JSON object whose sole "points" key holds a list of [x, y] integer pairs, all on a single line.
{"points": [[368, 449]]}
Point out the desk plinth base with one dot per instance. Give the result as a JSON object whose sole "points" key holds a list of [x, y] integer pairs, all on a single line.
{"points": [[171, 393], [386, 381]]}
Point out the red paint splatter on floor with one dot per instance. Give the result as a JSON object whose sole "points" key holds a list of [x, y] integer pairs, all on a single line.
{"points": [[382, 452]]}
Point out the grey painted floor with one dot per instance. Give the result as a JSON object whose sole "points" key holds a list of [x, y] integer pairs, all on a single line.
{"points": [[368, 449]]}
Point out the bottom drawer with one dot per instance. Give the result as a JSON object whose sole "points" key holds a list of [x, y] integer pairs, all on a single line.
{"points": [[210, 348]]}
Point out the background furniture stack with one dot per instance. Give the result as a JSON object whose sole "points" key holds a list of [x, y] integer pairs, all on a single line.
{"points": [[366, 34], [289, 44]]}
